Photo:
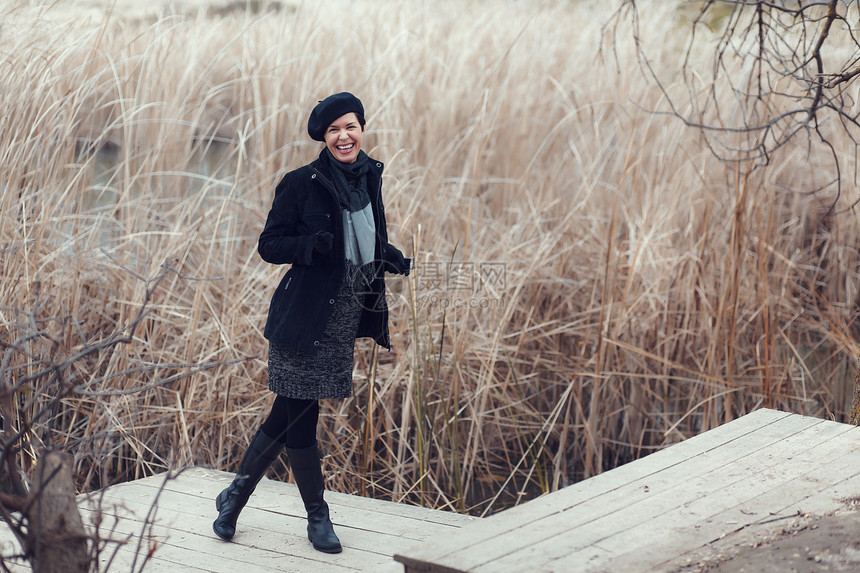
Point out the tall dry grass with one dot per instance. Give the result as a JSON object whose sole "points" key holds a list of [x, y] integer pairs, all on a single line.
{"points": [[591, 283]]}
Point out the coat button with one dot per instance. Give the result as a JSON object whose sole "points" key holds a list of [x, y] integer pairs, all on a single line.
{"points": [[316, 342], [314, 176], [331, 301]]}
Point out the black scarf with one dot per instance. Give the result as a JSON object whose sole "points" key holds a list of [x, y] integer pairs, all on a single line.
{"points": [[359, 228], [350, 180]]}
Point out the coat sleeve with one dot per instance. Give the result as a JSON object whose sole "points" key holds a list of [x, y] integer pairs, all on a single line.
{"points": [[280, 242], [394, 260], [392, 257]]}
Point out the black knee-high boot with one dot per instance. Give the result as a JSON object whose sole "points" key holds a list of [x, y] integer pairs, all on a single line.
{"points": [[305, 463], [261, 452]]}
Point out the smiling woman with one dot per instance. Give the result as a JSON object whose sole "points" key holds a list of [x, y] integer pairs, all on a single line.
{"points": [[328, 222], [343, 137], [591, 284]]}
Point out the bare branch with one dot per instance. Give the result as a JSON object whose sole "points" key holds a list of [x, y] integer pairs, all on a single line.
{"points": [[786, 89], [37, 373]]}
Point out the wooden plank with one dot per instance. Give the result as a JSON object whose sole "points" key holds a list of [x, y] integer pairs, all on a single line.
{"points": [[124, 561], [380, 517], [704, 512], [383, 535], [274, 493], [648, 515], [821, 485], [180, 541], [8, 548], [676, 546], [263, 507], [595, 524], [173, 548], [607, 482], [523, 527], [272, 529], [367, 547]]}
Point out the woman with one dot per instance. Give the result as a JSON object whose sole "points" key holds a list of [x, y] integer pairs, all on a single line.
{"points": [[328, 222]]}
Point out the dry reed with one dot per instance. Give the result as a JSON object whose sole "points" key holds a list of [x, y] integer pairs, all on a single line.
{"points": [[591, 283]]}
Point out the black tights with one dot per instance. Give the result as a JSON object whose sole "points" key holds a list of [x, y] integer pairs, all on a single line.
{"points": [[293, 422]]}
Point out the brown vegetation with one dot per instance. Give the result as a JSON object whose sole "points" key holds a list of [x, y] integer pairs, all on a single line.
{"points": [[591, 284]]}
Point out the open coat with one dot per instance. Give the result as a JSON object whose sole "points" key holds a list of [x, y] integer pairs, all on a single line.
{"points": [[304, 206]]}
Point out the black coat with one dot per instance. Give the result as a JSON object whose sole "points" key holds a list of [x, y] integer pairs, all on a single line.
{"points": [[304, 206]]}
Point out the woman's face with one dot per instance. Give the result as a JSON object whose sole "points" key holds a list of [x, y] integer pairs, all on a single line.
{"points": [[343, 138]]}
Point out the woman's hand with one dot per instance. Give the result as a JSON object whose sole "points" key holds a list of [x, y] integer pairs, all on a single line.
{"points": [[396, 262]]}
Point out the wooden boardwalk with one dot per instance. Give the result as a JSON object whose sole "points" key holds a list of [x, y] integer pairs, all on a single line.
{"points": [[736, 483], [271, 535], [739, 483]]}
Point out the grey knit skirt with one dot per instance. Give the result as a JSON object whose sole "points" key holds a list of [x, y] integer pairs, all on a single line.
{"points": [[328, 373]]}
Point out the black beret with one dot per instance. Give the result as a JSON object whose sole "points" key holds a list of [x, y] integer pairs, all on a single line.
{"points": [[329, 110]]}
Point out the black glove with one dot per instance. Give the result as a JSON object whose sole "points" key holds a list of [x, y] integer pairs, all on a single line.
{"points": [[397, 263], [323, 242]]}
